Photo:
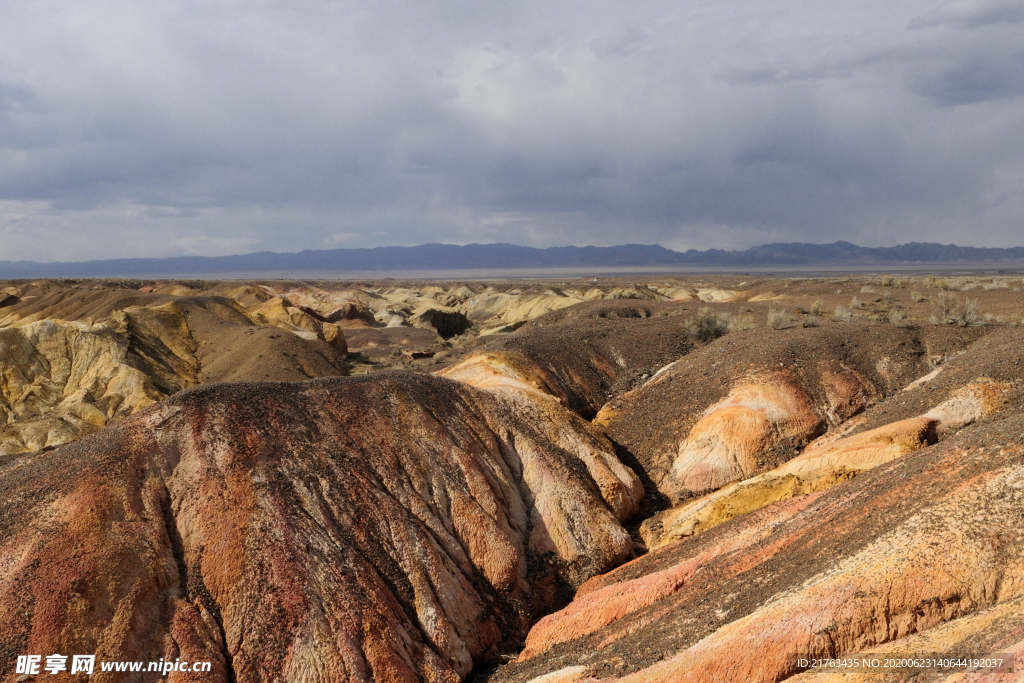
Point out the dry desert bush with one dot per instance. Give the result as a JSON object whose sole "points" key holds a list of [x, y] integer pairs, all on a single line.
{"points": [[950, 311], [707, 326], [898, 318], [841, 314], [741, 321], [778, 319]]}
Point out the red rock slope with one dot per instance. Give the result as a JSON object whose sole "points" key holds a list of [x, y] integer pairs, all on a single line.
{"points": [[904, 548], [920, 551], [390, 528]]}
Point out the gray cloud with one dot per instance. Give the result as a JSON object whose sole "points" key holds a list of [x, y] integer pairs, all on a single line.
{"points": [[972, 14], [172, 128]]}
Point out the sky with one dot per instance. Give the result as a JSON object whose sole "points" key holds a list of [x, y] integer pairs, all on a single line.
{"points": [[133, 129]]}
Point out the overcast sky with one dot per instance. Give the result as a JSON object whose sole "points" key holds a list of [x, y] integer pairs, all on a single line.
{"points": [[213, 127]]}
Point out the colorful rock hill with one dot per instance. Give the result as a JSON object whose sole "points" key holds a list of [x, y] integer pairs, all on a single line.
{"points": [[396, 527]]}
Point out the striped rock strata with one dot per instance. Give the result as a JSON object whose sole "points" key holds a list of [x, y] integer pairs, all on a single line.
{"points": [[929, 541], [390, 528], [727, 443], [582, 354], [752, 400], [525, 389], [816, 469]]}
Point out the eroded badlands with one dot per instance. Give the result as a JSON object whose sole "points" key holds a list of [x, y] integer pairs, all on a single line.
{"points": [[557, 482]]}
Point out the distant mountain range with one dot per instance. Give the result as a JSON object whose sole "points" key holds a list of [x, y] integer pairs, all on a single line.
{"points": [[428, 257]]}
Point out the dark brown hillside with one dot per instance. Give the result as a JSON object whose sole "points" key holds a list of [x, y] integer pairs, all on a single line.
{"points": [[587, 353], [395, 527]]}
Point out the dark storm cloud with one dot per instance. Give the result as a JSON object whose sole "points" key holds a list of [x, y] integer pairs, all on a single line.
{"points": [[978, 79], [167, 128]]}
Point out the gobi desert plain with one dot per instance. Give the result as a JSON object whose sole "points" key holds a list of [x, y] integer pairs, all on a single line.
{"points": [[646, 479]]}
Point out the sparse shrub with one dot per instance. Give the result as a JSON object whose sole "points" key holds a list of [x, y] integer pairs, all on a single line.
{"points": [[947, 307], [741, 321], [800, 310], [812, 322], [855, 303], [936, 283], [969, 314], [841, 314], [899, 284], [949, 311], [778, 319], [887, 297], [867, 289], [897, 318], [707, 326], [887, 281], [917, 297], [816, 307]]}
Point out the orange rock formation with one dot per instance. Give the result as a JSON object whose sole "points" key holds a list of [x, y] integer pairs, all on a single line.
{"points": [[399, 527]]}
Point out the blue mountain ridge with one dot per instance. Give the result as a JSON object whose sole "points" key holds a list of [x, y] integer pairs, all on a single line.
{"points": [[427, 257]]}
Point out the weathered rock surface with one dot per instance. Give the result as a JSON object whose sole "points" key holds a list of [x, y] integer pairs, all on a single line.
{"points": [[581, 355], [920, 551], [912, 544], [61, 380], [393, 527], [970, 404], [531, 398], [998, 629], [405, 527], [752, 400], [728, 441], [816, 469], [113, 356]]}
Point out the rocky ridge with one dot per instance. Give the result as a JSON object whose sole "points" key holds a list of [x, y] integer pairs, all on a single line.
{"points": [[72, 361], [871, 539], [397, 527]]}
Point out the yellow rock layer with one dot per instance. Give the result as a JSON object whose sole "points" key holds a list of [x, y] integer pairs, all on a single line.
{"points": [[60, 380], [814, 470], [725, 443]]}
